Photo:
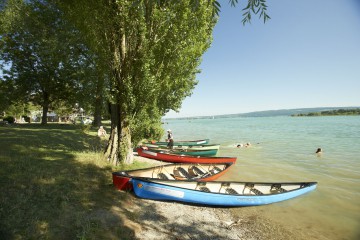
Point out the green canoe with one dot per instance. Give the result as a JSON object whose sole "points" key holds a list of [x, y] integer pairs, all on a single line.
{"points": [[185, 143], [188, 151]]}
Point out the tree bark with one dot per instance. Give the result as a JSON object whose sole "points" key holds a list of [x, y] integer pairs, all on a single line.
{"points": [[119, 147], [127, 149], [45, 107], [98, 102]]}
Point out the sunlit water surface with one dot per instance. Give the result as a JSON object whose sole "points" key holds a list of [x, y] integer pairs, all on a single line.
{"points": [[283, 149]]}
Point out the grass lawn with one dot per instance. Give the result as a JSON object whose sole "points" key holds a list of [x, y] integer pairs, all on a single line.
{"points": [[55, 184]]}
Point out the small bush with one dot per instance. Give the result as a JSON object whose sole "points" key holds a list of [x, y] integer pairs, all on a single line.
{"points": [[85, 128], [9, 119], [26, 118]]}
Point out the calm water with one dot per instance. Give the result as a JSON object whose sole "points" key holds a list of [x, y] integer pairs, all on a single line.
{"points": [[283, 149]]}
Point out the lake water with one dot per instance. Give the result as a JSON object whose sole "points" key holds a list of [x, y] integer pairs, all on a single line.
{"points": [[283, 149]]}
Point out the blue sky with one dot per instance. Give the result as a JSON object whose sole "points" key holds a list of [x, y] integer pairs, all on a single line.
{"points": [[307, 55]]}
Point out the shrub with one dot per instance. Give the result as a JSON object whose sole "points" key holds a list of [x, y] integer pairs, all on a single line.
{"points": [[26, 118], [9, 119]]}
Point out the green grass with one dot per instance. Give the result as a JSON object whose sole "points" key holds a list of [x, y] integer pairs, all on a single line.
{"points": [[55, 184]]}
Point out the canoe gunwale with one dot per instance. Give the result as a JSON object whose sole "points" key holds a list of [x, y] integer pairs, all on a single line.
{"points": [[308, 184], [175, 158], [123, 179], [145, 188], [185, 142]]}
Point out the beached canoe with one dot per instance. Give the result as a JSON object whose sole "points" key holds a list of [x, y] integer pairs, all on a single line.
{"points": [[179, 171], [195, 147], [230, 194], [188, 152], [185, 143], [175, 158]]}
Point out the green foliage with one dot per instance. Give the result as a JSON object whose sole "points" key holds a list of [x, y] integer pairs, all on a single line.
{"points": [[85, 128], [17, 109], [153, 50], [141, 55], [254, 6], [145, 126], [5, 96], [48, 65]]}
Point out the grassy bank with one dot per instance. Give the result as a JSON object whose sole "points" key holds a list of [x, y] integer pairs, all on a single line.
{"points": [[55, 184]]}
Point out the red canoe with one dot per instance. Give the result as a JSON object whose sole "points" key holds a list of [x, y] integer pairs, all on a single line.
{"points": [[176, 171], [175, 158]]}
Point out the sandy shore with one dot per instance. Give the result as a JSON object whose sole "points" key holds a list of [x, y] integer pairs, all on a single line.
{"points": [[170, 220]]}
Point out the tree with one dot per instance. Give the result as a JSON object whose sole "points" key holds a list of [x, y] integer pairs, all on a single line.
{"points": [[44, 52], [5, 96], [153, 49], [149, 52]]}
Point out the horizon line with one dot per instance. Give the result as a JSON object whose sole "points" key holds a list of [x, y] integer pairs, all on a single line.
{"points": [[283, 109]]}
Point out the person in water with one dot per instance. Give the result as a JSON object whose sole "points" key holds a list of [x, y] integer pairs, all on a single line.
{"points": [[243, 145], [319, 152]]}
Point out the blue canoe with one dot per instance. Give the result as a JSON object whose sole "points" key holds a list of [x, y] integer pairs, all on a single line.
{"points": [[216, 193]]}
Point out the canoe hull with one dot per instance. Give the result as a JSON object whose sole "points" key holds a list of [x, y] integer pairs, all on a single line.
{"points": [[187, 152], [156, 191], [174, 158], [122, 180], [194, 147], [185, 143]]}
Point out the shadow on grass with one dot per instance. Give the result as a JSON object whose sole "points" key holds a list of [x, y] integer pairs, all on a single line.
{"points": [[53, 187]]}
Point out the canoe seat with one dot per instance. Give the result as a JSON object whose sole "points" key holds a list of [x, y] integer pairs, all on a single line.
{"points": [[177, 175], [277, 188], [184, 172], [231, 191], [163, 176], [194, 170], [228, 189], [256, 191], [217, 169], [252, 188], [204, 189], [181, 174]]}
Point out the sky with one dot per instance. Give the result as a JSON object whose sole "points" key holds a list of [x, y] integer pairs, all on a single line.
{"points": [[307, 55]]}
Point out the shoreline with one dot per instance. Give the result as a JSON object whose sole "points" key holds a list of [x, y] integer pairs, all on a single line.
{"points": [[174, 220]]}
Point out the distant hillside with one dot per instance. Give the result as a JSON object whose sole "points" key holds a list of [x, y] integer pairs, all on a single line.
{"points": [[337, 112], [285, 112], [273, 113]]}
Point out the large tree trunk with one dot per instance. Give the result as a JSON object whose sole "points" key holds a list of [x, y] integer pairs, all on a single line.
{"points": [[97, 112], [98, 102], [119, 146], [45, 107]]}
